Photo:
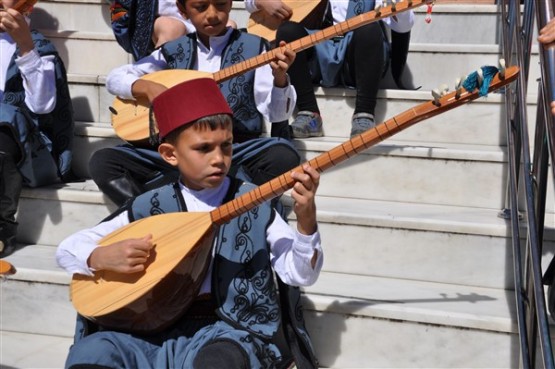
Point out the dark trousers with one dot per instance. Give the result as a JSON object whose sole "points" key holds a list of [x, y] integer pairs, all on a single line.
{"points": [[121, 176], [363, 66], [10, 183]]}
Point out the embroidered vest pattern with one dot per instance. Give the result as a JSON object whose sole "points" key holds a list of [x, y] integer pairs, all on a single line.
{"points": [[238, 91]]}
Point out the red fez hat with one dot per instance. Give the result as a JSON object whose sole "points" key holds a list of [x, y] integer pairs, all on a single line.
{"points": [[186, 103]]}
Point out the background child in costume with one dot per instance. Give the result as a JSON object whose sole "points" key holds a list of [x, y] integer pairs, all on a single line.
{"points": [[36, 117], [142, 26], [356, 60], [197, 140], [264, 93]]}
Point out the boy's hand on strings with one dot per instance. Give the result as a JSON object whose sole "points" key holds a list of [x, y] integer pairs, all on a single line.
{"points": [[284, 59], [276, 8], [15, 24], [149, 89], [127, 256], [304, 193]]}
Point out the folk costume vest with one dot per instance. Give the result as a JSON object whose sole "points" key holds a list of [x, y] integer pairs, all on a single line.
{"points": [[132, 24], [45, 139], [243, 284], [331, 53], [238, 91]]}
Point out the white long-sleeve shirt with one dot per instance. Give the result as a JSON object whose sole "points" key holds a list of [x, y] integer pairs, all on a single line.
{"points": [[291, 252], [402, 24], [274, 103], [39, 75]]}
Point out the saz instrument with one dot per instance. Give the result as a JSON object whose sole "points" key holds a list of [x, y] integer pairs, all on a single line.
{"points": [[130, 118], [309, 13], [151, 300], [6, 268]]}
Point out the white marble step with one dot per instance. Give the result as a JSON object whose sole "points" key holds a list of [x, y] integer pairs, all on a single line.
{"points": [[480, 122], [24, 350], [462, 245], [428, 173], [342, 310]]}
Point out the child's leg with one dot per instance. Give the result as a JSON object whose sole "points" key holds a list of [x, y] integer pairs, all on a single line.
{"points": [[299, 71], [365, 57], [123, 172], [10, 190], [365, 60], [308, 122], [167, 29]]}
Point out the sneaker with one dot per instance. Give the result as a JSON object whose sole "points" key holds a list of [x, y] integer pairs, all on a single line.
{"points": [[361, 122], [7, 246], [307, 124]]}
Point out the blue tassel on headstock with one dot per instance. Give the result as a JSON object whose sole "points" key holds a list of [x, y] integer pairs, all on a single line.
{"points": [[472, 81]]}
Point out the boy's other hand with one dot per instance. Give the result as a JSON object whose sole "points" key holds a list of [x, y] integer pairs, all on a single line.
{"points": [[15, 24], [127, 256], [284, 58], [149, 89], [276, 8], [304, 194]]}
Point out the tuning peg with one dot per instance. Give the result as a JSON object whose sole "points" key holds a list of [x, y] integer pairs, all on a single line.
{"points": [[502, 68], [458, 88], [443, 89], [436, 95], [479, 77], [378, 10], [393, 5]]}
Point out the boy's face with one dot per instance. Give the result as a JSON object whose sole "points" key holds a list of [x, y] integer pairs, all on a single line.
{"points": [[202, 155], [208, 16]]}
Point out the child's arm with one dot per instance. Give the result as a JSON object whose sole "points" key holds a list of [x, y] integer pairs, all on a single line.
{"points": [[275, 102], [80, 253], [304, 193], [39, 76], [280, 66], [15, 24], [297, 256], [146, 88], [276, 8], [120, 80], [127, 256]]}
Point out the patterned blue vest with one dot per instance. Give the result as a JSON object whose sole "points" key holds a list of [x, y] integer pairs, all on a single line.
{"points": [[46, 138], [238, 91], [243, 282]]}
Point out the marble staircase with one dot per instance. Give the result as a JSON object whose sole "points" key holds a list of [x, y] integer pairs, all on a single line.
{"points": [[418, 269]]}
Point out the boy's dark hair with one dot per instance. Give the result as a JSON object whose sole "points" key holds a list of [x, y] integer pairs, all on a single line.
{"points": [[210, 122]]}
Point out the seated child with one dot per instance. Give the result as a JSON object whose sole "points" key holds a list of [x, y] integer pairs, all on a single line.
{"points": [[237, 314], [125, 171], [142, 26], [36, 116], [358, 59]]}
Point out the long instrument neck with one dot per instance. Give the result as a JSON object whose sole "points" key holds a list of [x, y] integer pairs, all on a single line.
{"points": [[357, 144], [317, 37]]}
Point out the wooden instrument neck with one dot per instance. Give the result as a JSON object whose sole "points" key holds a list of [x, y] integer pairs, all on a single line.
{"points": [[355, 145], [306, 42]]}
